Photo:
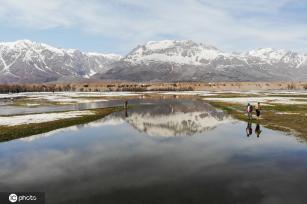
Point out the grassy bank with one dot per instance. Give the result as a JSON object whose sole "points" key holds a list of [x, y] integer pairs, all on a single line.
{"points": [[13, 132], [288, 118]]}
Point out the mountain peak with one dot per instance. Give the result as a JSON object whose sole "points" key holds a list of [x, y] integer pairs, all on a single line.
{"points": [[28, 44], [18, 43], [174, 51], [24, 41], [37, 46], [165, 44], [28, 61]]}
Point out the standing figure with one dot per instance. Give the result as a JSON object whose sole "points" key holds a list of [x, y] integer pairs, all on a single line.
{"points": [[126, 104], [249, 111]]}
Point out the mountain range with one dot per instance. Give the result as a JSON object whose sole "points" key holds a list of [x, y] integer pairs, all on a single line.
{"points": [[25, 61]]}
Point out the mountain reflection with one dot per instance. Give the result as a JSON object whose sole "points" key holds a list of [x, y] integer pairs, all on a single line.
{"points": [[169, 118]]}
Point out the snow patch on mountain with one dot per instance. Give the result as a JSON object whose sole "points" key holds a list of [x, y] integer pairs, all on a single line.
{"points": [[158, 45], [275, 56], [174, 51], [27, 61], [186, 52], [268, 54], [110, 56], [167, 60], [91, 73]]}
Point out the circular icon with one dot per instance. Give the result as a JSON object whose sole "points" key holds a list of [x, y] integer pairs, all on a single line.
{"points": [[13, 198]]}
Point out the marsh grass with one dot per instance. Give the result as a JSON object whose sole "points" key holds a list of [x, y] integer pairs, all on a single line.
{"points": [[270, 117], [19, 131]]}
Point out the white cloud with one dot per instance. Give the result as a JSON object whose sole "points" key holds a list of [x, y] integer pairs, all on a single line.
{"points": [[228, 24]]}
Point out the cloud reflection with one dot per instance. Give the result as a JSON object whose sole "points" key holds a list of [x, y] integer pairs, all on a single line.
{"points": [[116, 163]]}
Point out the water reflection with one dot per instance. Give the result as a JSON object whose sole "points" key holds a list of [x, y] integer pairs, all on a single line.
{"points": [[258, 130], [173, 118], [249, 129], [15, 110], [115, 161]]}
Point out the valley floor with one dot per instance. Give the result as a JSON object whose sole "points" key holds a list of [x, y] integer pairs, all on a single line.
{"points": [[27, 114]]}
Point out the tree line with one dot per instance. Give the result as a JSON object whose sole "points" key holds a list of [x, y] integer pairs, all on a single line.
{"points": [[17, 88]]}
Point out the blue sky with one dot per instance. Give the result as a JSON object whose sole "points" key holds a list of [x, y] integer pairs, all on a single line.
{"points": [[117, 26]]}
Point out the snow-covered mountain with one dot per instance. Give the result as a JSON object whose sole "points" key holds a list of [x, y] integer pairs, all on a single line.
{"points": [[178, 52], [191, 53], [26, 61], [167, 60], [172, 60]]}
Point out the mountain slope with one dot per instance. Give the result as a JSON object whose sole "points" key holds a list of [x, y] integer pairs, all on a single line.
{"points": [[26, 61], [189, 61], [165, 61]]}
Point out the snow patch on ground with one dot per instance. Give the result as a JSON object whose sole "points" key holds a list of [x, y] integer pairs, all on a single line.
{"points": [[67, 97], [286, 113], [32, 104], [67, 94], [66, 100], [40, 118], [192, 93]]}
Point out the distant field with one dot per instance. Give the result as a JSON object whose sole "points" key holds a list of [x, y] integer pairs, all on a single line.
{"points": [[284, 110]]}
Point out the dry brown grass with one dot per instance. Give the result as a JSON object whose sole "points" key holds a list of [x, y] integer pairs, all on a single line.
{"points": [[295, 123], [134, 86]]}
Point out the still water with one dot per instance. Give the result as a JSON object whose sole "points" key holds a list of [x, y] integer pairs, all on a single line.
{"points": [[163, 151], [7, 109]]}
